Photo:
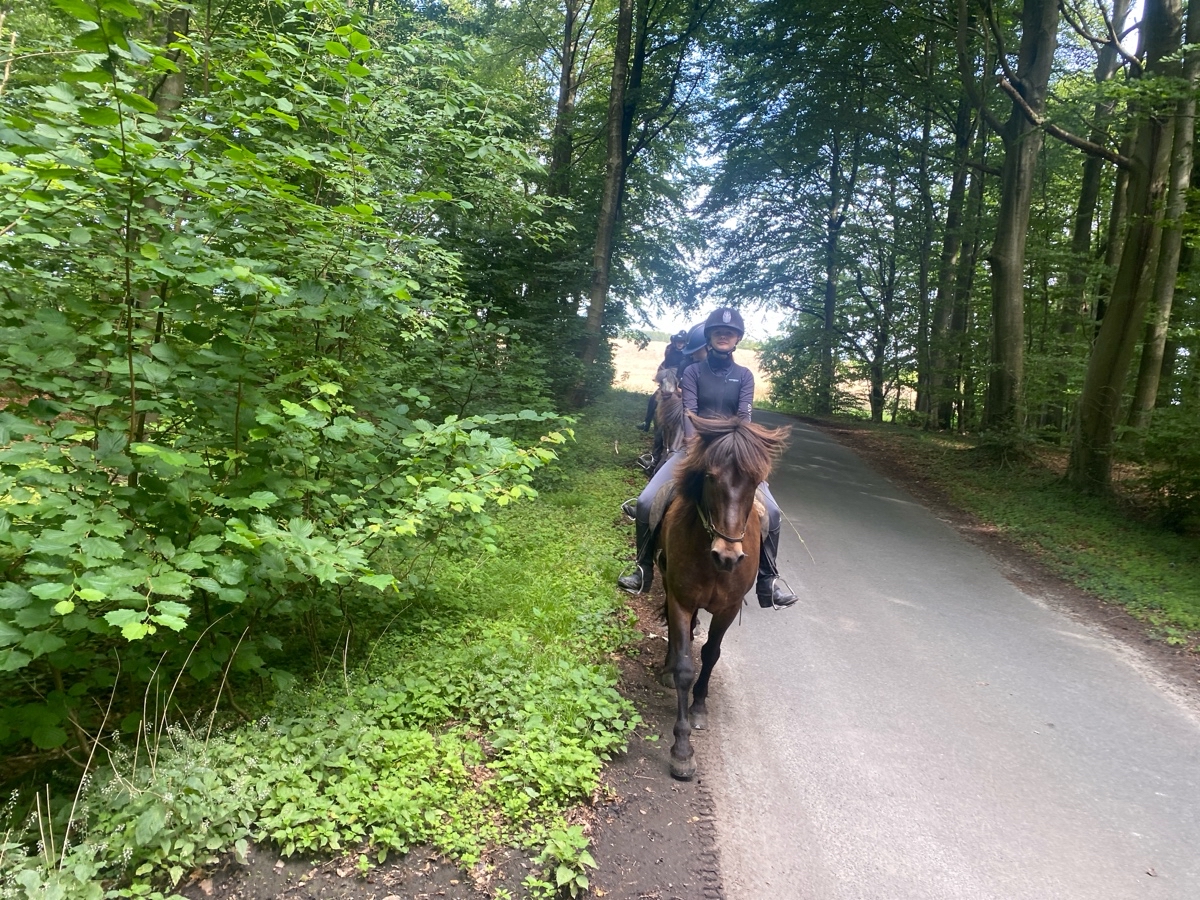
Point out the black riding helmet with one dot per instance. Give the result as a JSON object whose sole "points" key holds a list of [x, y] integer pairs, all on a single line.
{"points": [[697, 340], [679, 336], [725, 317]]}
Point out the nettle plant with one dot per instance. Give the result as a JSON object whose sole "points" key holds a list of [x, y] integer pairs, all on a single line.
{"points": [[216, 236]]}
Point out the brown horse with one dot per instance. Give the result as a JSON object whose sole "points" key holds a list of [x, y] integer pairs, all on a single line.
{"points": [[708, 555], [670, 415]]}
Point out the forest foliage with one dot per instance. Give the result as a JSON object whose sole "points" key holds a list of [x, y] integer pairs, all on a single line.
{"points": [[294, 293]]}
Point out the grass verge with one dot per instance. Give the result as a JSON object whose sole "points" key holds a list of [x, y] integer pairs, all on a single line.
{"points": [[1098, 543], [479, 720]]}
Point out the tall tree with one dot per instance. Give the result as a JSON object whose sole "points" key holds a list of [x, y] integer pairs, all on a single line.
{"points": [[1022, 145], [1090, 467], [1180, 180]]}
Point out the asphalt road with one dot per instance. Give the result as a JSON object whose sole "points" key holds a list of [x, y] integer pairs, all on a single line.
{"points": [[917, 727]]}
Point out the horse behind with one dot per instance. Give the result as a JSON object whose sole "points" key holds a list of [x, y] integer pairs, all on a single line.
{"points": [[708, 554], [669, 438]]}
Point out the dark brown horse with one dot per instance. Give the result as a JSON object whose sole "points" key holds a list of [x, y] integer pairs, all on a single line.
{"points": [[708, 554]]}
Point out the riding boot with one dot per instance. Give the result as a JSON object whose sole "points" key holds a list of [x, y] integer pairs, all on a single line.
{"points": [[640, 579], [770, 592]]}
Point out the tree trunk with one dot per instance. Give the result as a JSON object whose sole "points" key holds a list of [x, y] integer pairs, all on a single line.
{"points": [[924, 401], [614, 185], [1090, 467], [1075, 303], [823, 401], [1153, 346], [940, 408], [561, 143], [962, 323], [1022, 146]]}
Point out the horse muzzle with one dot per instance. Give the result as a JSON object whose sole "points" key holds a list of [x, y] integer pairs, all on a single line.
{"points": [[727, 554]]}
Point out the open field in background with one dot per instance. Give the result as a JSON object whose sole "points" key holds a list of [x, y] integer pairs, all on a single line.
{"points": [[635, 368]]}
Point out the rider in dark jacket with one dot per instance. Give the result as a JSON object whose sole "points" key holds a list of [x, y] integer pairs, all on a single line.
{"points": [[673, 358], [716, 386]]}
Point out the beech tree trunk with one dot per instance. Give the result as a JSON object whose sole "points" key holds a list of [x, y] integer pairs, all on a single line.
{"points": [[924, 402], [1180, 178], [1022, 146], [610, 201], [1076, 302], [962, 323], [1090, 466], [562, 141], [940, 408]]}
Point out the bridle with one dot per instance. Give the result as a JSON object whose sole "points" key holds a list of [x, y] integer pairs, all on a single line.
{"points": [[706, 520]]}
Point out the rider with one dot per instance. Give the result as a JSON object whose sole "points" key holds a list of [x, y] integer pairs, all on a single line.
{"points": [[715, 386], [673, 358]]}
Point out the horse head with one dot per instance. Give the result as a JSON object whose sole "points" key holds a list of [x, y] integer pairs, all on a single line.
{"points": [[726, 462], [668, 382]]}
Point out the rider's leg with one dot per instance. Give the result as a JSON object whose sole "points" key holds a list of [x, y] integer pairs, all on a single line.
{"points": [[651, 409], [640, 579], [770, 590]]}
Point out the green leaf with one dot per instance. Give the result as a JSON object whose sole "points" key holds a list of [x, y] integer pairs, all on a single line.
{"points": [[173, 608], [47, 737], [13, 596], [78, 9], [138, 102], [149, 824], [51, 590], [99, 116], [9, 634], [11, 660], [284, 117], [131, 622], [206, 543], [39, 643], [378, 581], [336, 48]]}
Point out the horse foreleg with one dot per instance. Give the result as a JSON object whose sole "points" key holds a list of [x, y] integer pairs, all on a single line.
{"points": [[679, 631], [709, 654], [666, 675]]}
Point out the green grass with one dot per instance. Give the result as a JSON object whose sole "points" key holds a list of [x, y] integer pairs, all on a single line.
{"points": [[479, 719], [1094, 542]]}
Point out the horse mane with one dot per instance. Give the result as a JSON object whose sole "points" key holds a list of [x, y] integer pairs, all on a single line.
{"points": [[729, 444], [670, 419]]}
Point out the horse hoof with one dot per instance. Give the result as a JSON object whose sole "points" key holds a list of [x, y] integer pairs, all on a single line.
{"points": [[699, 720], [683, 771], [667, 679]]}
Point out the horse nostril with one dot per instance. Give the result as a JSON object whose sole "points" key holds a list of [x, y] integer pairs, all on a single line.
{"points": [[740, 557]]}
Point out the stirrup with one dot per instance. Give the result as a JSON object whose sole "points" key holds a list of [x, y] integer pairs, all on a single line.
{"points": [[625, 582], [770, 599], [646, 461], [629, 507]]}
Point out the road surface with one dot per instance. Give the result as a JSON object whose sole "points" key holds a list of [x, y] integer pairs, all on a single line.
{"points": [[917, 727]]}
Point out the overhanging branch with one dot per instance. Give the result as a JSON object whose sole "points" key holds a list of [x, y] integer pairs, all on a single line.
{"points": [[1123, 162]]}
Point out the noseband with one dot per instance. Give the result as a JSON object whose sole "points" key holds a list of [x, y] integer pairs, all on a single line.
{"points": [[706, 521]]}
